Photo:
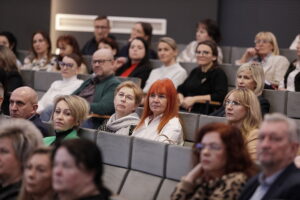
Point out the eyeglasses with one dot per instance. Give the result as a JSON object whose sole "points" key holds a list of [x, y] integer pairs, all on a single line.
{"points": [[203, 53], [262, 41], [211, 146], [63, 64], [101, 27], [127, 97], [231, 102], [100, 62]]}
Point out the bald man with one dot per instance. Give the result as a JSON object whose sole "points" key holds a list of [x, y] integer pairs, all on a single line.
{"points": [[23, 104], [99, 90]]}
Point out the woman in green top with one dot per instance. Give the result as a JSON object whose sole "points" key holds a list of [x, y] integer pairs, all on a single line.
{"points": [[69, 112]]}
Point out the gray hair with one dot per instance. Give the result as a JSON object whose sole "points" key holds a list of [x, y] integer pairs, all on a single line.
{"points": [[293, 131], [24, 135]]}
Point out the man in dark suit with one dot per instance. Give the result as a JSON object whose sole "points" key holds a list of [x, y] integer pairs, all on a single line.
{"points": [[23, 104], [277, 148]]}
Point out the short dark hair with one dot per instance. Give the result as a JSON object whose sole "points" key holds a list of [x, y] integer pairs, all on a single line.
{"points": [[102, 17], [214, 48], [11, 39], [112, 43], [212, 29], [147, 28]]}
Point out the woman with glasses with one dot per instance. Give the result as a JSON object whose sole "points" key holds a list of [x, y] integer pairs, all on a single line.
{"points": [[127, 98], [266, 52], [159, 121], [68, 44], [69, 69], [221, 162], [243, 111], [40, 57], [207, 82]]}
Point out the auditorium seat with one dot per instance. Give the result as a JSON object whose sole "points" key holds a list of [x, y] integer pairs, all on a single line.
{"points": [[277, 99], [205, 119], [88, 61], [190, 124], [237, 53], [28, 77], [293, 104], [230, 71], [289, 54], [87, 133], [188, 66], [226, 51], [136, 80], [43, 80]]}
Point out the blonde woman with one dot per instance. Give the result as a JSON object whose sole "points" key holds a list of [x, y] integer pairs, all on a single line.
{"points": [[266, 52], [243, 111]]}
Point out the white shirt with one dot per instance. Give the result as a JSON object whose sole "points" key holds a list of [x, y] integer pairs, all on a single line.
{"points": [[59, 87], [290, 84], [171, 132], [174, 72]]}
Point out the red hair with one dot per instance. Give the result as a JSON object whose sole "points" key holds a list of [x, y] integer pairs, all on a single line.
{"points": [[166, 87]]}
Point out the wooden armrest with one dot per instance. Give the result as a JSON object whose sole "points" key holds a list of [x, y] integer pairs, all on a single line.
{"points": [[98, 116], [215, 103]]}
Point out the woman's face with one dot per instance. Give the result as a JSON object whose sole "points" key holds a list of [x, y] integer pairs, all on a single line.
{"points": [[137, 31], [62, 117], [245, 80], [235, 112], [212, 154], [68, 67], [205, 55], [40, 44], [137, 50], [263, 46], [67, 176], [124, 101], [166, 54], [37, 174], [202, 34], [158, 103], [4, 41], [10, 166], [64, 48]]}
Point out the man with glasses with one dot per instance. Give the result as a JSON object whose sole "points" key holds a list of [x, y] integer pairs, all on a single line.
{"points": [[101, 30], [99, 90], [277, 148]]}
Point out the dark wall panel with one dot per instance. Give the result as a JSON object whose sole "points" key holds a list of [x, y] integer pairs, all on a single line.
{"points": [[181, 15], [240, 20], [24, 17]]}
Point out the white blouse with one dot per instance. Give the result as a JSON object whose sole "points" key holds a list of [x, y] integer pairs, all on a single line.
{"points": [[171, 133], [290, 84]]}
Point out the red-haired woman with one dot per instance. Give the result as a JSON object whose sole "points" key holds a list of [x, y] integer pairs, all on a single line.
{"points": [[222, 165], [160, 120]]}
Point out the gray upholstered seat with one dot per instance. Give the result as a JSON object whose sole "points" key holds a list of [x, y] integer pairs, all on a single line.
{"points": [[205, 119], [43, 81], [237, 53], [293, 104], [188, 66], [226, 51], [277, 99], [87, 133], [166, 189], [136, 80], [230, 71], [190, 124], [289, 54], [28, 77]]}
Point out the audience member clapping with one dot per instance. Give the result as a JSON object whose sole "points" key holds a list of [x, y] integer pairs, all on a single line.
{"points": [[221, 165], [207, 29], [207, 82], [18, 139], [69, 68], [167, 53], [127, 98], [160, 120], [37, 177], [243, 111], [68, 114], [138, 64], [266, 52], [40, 57], [78, 170]]}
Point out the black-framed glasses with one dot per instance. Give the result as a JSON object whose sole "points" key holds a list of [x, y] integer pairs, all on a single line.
{"points": [[203, 53], [63, 64], [231, 102], [100, 62], [261, 41], [211, 146]]}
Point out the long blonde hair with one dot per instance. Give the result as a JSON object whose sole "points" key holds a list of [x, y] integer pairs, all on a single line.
{"points": [[253, 116], [271, 37]]}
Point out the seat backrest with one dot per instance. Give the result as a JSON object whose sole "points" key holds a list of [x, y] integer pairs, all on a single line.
{"points": [[116, 149], [190, 124], [179, 161], [226, 51], [293, 104], [237, 53], [136, 80], [84, 76], [28, 77], [277, 99], [22, 55], [148, 156], [230, 71], [88, 62], [87, 133], [289, 54], [188, 66], [205, 119], [181, 47], [43, 80]]}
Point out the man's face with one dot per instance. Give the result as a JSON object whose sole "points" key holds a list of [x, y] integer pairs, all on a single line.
{"points": [[102, 63], [101, 29], [275, 150], [21, 106]]}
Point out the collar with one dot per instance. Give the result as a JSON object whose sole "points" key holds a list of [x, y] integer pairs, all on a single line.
{"points": [[72, 78], [268, 181], [98, 79]]}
